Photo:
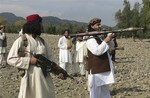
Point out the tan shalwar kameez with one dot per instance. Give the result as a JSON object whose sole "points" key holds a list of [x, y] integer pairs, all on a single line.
{"points": [[81, 53], [33, 83]]}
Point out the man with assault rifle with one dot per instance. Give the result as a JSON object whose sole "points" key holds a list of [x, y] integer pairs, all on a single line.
{"points": [[31, 56]]}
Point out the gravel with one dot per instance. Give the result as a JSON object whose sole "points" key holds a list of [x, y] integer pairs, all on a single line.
{"points": [[132, 71]]}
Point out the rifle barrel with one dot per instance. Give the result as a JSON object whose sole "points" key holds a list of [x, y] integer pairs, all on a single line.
{"points": [[105, 32]]}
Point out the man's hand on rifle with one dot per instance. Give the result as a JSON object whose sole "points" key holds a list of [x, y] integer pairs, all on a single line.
{"points": [[33, 60], [60, 75], [109, 37]]}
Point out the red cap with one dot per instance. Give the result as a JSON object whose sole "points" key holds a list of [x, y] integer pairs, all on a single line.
{"points": [[33, 17]]}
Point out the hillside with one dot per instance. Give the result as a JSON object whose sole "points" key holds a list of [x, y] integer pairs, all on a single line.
{"points": [[12, 18]]}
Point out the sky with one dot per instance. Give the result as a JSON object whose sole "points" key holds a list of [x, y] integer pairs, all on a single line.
{"points": [[77, 10]]}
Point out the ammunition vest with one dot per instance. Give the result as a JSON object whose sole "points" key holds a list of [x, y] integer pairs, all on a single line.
{"points": [[3, 43]]}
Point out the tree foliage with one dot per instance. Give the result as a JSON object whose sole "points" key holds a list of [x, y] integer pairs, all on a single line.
{"points": [[139, 16], [135, 18], [47, 28], [3, 20], [20, 23]]}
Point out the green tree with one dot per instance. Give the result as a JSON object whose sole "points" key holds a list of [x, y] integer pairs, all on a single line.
{"points": [[49, 28], [145, 17], [20, 23], [119, 18], [126, 14], [128, 17], [10, 28], [61, 27], [123, 17], [135, 19], [3, 20]]}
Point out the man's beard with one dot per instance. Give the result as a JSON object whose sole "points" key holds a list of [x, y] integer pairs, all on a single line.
{"points": [[66, 36]]}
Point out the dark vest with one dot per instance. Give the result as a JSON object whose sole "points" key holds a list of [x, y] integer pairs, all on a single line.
{"points": [[98, 64], [3, 43]]}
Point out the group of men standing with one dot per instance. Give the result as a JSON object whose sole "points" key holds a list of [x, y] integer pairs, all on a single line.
{"points": [[94, 51], [76, 58]]}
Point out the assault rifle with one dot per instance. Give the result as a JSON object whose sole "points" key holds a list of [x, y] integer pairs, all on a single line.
{"points": [[50, 66]]}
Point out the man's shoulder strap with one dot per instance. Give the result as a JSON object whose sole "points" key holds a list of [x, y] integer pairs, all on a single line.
{"points": [[24, 44], [42, 40], [24, 40]]}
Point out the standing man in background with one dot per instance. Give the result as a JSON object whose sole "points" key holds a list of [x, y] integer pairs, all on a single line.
{"points": [[81, 54], [113, 46], [3, 45], [65, 57], [100, 67], [64, 45]]}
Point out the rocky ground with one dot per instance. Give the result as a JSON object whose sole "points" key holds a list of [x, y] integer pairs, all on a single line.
{"points": [[132, 72]]}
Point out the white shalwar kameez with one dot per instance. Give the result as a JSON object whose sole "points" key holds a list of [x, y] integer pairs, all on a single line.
{"points": [[3, 50], [33, 83], [81, 53], [64, 53], [99, 83]]}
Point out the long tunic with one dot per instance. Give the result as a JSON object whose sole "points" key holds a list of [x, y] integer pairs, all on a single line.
{"points": [[105, 78], [3, 43], [64, 53], [3, 48], [33, 83], [81, 51]]}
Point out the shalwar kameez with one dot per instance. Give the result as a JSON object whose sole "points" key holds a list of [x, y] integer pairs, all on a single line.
{"points": [[64, 53], [81, 53], [33, 84], [3, 48], [98, 83]]}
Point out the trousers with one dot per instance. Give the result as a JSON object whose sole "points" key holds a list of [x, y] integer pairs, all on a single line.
{"points": [[100, 91]]}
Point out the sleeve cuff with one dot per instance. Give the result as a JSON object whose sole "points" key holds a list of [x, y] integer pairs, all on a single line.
{"points": [[25, 63]]}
